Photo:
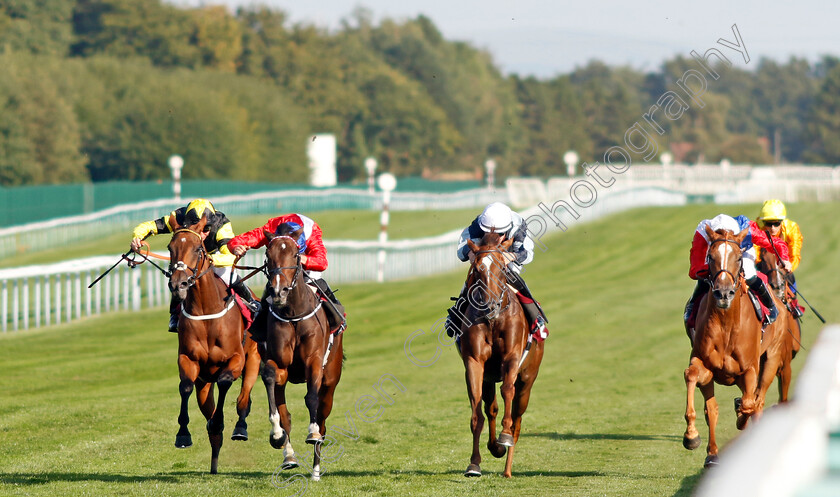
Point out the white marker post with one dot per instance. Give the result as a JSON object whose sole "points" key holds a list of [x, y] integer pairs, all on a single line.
{"points": [[176, 163], [387, 182]]}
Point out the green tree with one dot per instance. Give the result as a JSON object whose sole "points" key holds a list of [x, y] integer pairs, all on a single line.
{"points": [[823, 125], [36, 26]]}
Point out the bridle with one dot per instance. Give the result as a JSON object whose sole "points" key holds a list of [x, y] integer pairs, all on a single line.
{"points": [[182, 266], [271, 273], [714, 276], [494, 307]]}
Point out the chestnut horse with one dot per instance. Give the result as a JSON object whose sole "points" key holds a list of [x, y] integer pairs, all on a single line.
{"points": [[494, 344], [210, 339], [729, 346], [299, 348], [777, 359]]}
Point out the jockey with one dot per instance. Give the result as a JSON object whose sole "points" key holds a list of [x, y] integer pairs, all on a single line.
{"points": [[313, 259], [216, 235], [500, 218], [699, 269], [773, 217]]}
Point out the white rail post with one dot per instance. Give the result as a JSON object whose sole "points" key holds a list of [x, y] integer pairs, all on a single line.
{"points": [[5, 297], [26, 303]]}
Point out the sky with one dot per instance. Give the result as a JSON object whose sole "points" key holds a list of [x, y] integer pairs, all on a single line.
{"points": [[548, 38]]}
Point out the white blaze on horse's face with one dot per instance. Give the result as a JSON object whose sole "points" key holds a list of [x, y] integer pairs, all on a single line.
{"points": [[183, 239], [487, 261], [722, 247]]}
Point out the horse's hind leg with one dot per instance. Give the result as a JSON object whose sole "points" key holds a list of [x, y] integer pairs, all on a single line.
{"points": [[216, 423], [491, 409], [243, 402], [510, 371], [784, 378]]}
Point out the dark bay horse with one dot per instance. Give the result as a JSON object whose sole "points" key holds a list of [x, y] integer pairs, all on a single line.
{"points": [[728, 343], [210, 339], [299, 348], [495, 345]]}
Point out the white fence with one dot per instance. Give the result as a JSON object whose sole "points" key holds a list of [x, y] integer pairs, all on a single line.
{"points": [[788, 450], [715, 183], [34, 296], [64, 231]]}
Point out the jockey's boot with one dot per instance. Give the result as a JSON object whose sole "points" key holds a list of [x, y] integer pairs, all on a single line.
{"points": [[174, 313], [332, 307], [534, 315], [530, 305], [793, 304], [455, 316], [700, 289], [757, 286], [243, 291], [258, 328]]}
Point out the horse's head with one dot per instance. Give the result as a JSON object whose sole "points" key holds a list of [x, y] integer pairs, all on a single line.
{"points": [[725, 263], [487, 283], [282, 261], [771, 266], [187, 255]]}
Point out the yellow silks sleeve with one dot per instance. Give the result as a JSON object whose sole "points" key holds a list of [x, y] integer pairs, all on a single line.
{"points": [[793, 238], [143, 230], [223, 257]]}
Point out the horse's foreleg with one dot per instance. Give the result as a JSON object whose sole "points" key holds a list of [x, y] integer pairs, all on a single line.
{"points": [[243, 401], [520, 404], [189, 373], [475, 376], [278, 436], [749, 398], [491, 409], [711, 411], [784, 377], [216, 423], [692, 375], [510, 371], [289, 458]]}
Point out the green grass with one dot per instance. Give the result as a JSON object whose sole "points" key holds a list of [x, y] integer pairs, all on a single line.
{"points": [[91, 408], [336, 225]]}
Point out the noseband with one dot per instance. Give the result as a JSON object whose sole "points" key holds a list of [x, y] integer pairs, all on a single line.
{"points": [[713, 277], [495, 310], [182, 266]]}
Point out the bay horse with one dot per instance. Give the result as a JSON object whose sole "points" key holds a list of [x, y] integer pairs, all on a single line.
{"points": [[494, 344], [210, 339], [729, 345], [299, 347]]}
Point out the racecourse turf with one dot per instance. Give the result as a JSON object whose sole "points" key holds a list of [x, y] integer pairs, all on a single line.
{"points": [[91, 408]]}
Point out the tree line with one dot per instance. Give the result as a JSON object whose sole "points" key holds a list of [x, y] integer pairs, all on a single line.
{"points": [[108, 89]]}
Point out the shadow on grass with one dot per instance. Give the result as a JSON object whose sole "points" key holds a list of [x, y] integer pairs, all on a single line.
{"points": [[171, 477], [601, 436], [688, 485]]}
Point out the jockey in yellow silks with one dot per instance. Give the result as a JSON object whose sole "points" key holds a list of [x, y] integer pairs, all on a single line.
{"points": [[216, 235]]}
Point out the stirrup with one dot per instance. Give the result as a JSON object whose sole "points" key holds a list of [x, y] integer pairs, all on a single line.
{"points": [[771, 316]]}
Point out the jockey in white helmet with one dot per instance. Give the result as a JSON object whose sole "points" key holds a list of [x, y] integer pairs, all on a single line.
{"points": [[498, 217]]}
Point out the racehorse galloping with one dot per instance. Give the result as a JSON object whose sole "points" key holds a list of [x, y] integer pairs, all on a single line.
{"points": [[210, 336], [777, 359], [299, 347], [727, 341], [494, 345]]}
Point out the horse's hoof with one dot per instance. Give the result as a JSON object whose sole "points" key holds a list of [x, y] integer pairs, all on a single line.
{"points": [[741, 422], [691, 443], [473, 470], [496, 450], [240, 432], [737, 404], [183, 441], [314, 438], [505, 440], [289, 463], [711, 461], [278, 443]]}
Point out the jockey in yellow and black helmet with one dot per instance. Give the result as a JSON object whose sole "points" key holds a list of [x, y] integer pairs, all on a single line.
{"points": [[216, 235], [773, 218]]}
